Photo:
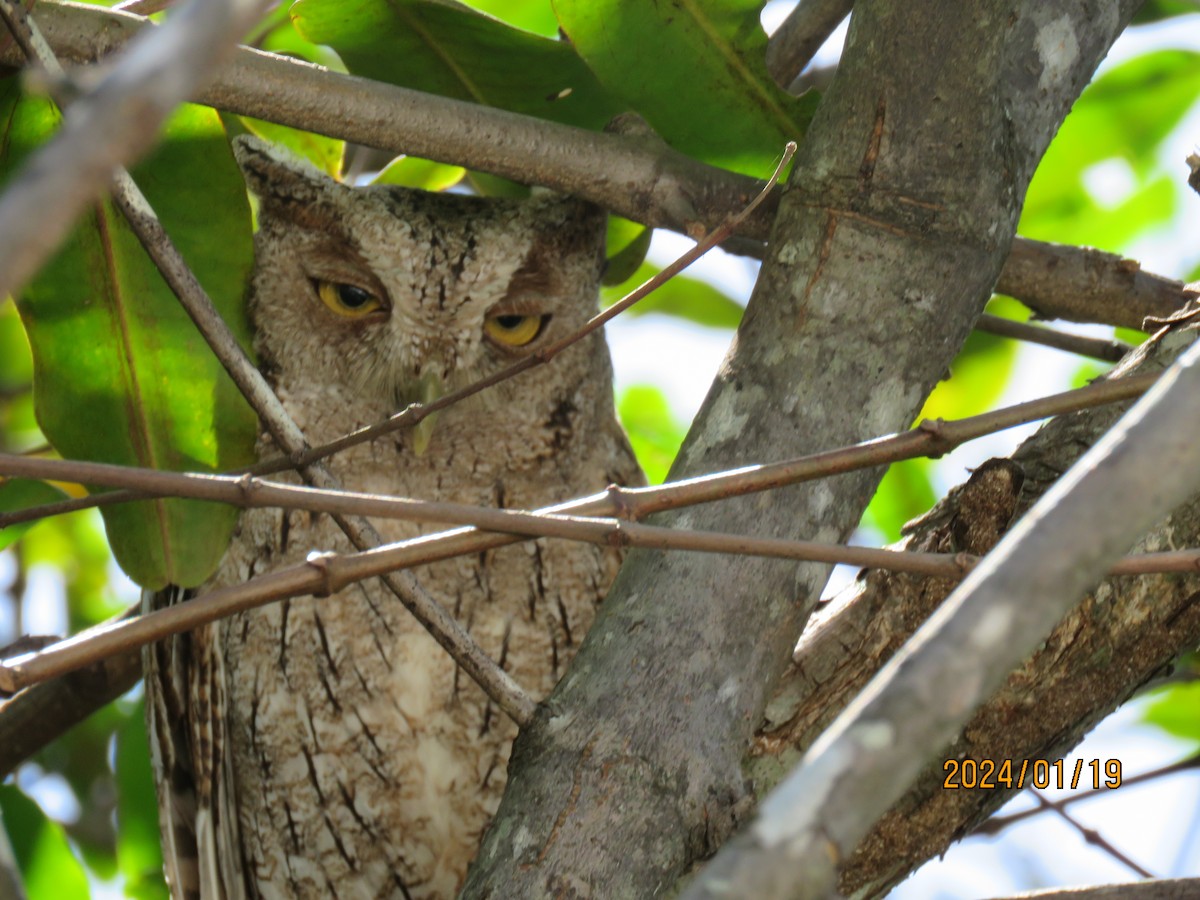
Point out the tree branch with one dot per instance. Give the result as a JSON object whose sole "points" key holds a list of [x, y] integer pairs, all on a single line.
{"points": [[112, 124], [797, 40], [638, 179], [632, 769], [926, 693]]}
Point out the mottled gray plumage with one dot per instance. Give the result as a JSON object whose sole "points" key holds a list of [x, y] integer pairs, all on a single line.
{"points": [[319, 748]]}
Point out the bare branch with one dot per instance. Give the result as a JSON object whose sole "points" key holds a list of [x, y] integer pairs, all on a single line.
{"points": [[35, 717], [1097, 348], [113, 124], [995, 618], [1091, 835], [1163, 889], [801, 35], [997, 824], [444, 628], [1080, 284]]}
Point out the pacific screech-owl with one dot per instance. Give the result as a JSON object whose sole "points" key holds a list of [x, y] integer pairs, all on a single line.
{"points": [[329, 748]]}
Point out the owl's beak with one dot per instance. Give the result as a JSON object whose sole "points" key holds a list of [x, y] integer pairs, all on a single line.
{"points": [[426, 390]]}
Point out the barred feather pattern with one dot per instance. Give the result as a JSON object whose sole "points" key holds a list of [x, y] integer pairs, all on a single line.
{"points": [[317, 748]]}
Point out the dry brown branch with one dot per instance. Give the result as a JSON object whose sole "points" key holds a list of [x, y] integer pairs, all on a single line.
{"points": [[1093, 661], [997, 824], [801, 35], [33, 718], [253, 493], [921, 699], [1091, 836], [444, 628], [1097, 348], [630, 177], [328, 574], [928, 439], [112, 124]]}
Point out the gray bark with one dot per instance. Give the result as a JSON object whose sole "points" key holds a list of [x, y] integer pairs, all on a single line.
{"points": [[898, 217]]}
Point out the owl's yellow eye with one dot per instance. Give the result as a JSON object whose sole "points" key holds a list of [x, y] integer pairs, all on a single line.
{"points": [[347, 299], [513, 330]]}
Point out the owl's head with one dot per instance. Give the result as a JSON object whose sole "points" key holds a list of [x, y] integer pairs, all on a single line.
{"points": [[380, 296]]}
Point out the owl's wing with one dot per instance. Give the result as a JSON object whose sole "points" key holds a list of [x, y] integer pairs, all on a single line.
{"points": [[185, 719]]}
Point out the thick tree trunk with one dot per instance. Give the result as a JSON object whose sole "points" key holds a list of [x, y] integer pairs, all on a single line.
{"points": [[897, 219]]}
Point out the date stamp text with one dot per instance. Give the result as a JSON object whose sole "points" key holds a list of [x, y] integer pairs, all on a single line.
{"points": [[991, 774]]}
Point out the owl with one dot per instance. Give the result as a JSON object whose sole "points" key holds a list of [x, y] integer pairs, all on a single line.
{"points": [[329, 747]]}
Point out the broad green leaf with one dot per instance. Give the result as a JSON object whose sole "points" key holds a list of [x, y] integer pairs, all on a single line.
{"points": [[531, 15], [414, 172], [139, 851], [1176, 710], [653, 431], [323, 152], [49, 868], [694, 70], [23, 493], [626, 251], [121, 374], [442, 47], [687, 298]]}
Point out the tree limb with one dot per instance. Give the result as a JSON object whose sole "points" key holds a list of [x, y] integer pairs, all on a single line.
{"points": [[1001, 613], [896, 222], [636, 178]]}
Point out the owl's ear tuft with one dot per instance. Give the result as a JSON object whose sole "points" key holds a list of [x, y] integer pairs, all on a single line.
{"points": [[278, 178]]}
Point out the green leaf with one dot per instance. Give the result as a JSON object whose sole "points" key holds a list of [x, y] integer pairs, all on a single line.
{"points": [[627, 245], [1122, 117], [531, 15], [1154, 10], [905, 493], [694, 70], [139, 851], [414, 172], [442, 47], [683, 297], [23, 493], [323, 152], [121, 374], [1176, 710], [49, 868], [653, 431]]}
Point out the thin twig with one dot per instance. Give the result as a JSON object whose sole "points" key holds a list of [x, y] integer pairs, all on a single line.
{"points": [[112, 124], [248, 492], [928, 439], [997, 824], [1097, 348], [1091, 835], [644, 182], [444, 628], [327, 575]]}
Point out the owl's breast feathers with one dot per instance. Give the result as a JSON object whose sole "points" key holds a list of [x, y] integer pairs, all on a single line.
{"points": [[321, 748], [316, 748]]}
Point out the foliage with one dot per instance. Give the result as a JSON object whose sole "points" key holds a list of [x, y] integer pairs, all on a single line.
{"points": [[134, 368]]}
